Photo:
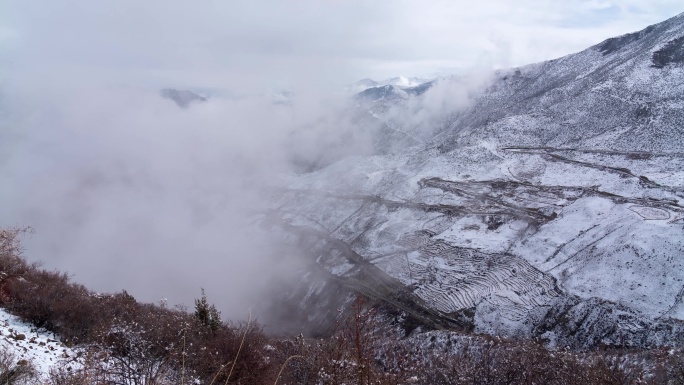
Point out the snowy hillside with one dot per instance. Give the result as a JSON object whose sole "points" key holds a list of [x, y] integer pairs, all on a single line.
{"points": [[38, 347], [549, 205]]}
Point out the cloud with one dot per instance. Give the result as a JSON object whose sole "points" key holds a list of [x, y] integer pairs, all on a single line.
{"points": [[241, 44], [424, 115]]}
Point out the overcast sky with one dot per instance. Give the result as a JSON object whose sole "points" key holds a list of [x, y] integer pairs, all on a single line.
{"points": [[242, 44]]}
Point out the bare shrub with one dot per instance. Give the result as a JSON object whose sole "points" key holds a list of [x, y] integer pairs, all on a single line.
{"points": [[668, 368], [495, 361], [12, 265], [49, 300], [10, 246], [15, 371], [349, 355], [216, 354], [133, 343], [89, 372]]}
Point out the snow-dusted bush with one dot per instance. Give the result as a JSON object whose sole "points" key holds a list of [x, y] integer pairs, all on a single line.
{"points": [[15, 371]]}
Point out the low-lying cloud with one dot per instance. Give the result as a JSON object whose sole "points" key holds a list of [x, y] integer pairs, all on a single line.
{"points": [[128, 191]]}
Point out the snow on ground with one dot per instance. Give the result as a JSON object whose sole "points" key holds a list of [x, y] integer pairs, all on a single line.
{"points": [[37, 346]]}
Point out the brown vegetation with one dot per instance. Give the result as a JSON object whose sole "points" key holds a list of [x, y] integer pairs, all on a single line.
{"points": [[128, 342]]}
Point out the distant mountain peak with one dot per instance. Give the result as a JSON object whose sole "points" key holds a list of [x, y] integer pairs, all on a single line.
{"points": [[381, 93], [400, 82], [367, 82]]}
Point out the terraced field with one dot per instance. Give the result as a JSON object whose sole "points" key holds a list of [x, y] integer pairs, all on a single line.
{"points": [[499, 255], [551, 206]]}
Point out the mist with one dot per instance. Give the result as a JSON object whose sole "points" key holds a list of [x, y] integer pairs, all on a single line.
{"points": [[126, 190]]}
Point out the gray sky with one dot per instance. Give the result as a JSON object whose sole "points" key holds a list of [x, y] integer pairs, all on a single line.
{"points": [[240, 44]]}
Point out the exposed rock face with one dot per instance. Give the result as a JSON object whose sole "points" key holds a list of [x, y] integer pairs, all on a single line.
{"points": [[183, 98], [672, 52], [552, 205]]}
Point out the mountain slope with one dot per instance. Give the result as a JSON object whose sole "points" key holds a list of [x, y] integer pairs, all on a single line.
{"points": [[551, 205]]}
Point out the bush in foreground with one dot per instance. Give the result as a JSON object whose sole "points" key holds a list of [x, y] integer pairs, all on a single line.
{"points": [[127, 342]]}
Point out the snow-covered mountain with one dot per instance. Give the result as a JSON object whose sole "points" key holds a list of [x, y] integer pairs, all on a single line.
{"points": [[548, 203], [363, 84], [399, 82]]}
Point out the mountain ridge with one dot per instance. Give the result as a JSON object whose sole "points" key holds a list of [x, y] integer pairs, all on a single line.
{"points": [[549, 205]]}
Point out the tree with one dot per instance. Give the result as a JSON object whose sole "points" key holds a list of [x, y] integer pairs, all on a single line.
{"points": [[206, 313]]}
